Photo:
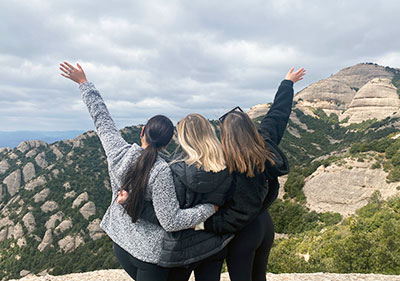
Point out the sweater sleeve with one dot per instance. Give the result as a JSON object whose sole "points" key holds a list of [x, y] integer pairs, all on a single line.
{"points": [[113, 143], [274, 123], [166, 205]]}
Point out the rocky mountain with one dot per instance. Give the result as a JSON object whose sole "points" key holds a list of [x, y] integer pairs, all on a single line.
{"points": [[342, 141]]}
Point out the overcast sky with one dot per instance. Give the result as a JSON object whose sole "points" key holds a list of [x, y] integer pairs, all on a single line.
{"points": [[176, 57]]}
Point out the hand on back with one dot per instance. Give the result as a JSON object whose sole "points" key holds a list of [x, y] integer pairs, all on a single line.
{"points": [[295, 76]]}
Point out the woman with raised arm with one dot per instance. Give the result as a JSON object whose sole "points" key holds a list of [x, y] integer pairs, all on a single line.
{"points": [[139, 169], [256, 162]]}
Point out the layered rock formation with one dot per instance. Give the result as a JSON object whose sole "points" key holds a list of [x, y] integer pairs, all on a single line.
{"points": [[376, 99], [346, 188], [335, 93]]}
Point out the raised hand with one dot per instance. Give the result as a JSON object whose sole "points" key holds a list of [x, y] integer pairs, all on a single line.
{"points": [[76, 74], [295, 76]]}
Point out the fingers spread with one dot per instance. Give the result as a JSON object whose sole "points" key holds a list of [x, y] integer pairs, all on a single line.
{"points": [[69, 65]]}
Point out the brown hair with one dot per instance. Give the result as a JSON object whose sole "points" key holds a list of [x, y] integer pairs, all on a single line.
{"points": [[244, 148]]}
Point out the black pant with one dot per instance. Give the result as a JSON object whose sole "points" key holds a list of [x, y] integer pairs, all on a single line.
{"points": [[139, 270], [248, 252], [208, 269]]}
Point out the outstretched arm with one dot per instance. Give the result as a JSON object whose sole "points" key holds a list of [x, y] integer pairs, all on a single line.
{"points": [[274, 123], [110, 137]]}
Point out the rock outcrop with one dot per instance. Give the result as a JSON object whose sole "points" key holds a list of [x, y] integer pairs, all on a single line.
{"points": [[258, 110], [40, 160], [26, 145], [28, 171], [63, 226], [4, 166], [13, 182], [335, 93], [344, 189], [88, 210], [83, 197], [42, 195], [46, 241], [70, 243], [377, 99], [39, 181], [95, 232], [29, 222], [51, 222], [49, 206]]}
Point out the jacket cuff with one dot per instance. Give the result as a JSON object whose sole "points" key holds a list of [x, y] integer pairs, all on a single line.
{"points": [[287, 83]]}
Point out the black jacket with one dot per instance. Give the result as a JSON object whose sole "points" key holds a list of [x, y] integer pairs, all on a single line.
{"points": [[193, 186], [250, 195]]}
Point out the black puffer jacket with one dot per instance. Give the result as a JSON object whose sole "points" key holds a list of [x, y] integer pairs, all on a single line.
{"points": [[251, 195], [193, 186]]}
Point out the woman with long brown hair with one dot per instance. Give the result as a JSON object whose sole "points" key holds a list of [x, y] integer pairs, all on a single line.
{"points": [[255, 161]]}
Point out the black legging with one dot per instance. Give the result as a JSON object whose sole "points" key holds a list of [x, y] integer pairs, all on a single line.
{"points": [[139, 270], [208, 269], [248, 252]]}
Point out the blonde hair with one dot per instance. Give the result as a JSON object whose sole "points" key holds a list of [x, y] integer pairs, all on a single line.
{"points": [[243, 146], [198, 139]]}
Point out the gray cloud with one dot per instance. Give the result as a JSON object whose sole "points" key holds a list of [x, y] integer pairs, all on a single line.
{"points": [[177, 57]]}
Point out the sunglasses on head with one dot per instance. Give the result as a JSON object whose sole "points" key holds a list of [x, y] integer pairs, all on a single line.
{"points": [[222, 118]]}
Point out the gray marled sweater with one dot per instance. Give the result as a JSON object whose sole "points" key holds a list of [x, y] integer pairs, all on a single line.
{"points": [[142, 239]]}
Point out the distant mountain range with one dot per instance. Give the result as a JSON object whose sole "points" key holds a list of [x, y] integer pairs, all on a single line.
{"points": [[13, 138]]}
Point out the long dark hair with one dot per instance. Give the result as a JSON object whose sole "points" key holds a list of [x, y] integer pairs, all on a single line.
{"points": [[158, 132]]}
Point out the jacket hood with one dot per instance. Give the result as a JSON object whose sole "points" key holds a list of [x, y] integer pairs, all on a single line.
{"points": [[198, 180]]}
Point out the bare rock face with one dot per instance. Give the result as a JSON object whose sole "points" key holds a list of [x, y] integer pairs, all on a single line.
{"points": [[3, 234], [29, 222], [51, 222], [40, 159], [39, 181], [5, 150], [46, 241], [49, 206], [95, 232], [67, 185], [88, 210], [70, 194], [70, 243], [63, 226], [26, 145], [42, 195], [344, 189], [31, 153], [83, 197], [57, 152], [377, 99], [13, 182], [18, 231], [21, 242], [28, 172], [335, 93], [4, 166], [258, 110]]}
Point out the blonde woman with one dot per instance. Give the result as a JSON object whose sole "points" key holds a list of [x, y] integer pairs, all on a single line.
{"points": [[255, 162], [200, 176]]}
